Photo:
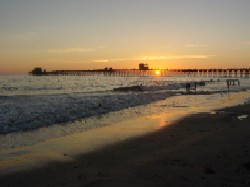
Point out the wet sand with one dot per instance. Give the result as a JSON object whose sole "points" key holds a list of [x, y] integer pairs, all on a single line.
{"points": [[204, 149]]}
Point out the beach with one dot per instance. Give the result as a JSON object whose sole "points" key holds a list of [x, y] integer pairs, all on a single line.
{"points": [[207, 148], [71, 132]]}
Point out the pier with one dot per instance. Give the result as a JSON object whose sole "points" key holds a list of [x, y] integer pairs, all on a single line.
{"points": [[230, 73]]}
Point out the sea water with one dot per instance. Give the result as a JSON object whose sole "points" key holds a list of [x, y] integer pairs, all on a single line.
{"points": [[36, 103]]}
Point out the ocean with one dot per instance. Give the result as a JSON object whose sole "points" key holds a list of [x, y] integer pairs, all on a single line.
{"points": [[62, 105]]}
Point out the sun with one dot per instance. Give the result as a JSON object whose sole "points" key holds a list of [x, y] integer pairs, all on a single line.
{"points": [[157, 72]]}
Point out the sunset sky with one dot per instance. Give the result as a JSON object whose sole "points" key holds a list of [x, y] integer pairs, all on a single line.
{"points": [[90, 34]]}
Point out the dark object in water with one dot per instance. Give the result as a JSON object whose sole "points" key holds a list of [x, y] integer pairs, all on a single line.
{"points": [[197, 93], [188, 87], [202, 83], [131, 88], [231, 82], [193, 85]]}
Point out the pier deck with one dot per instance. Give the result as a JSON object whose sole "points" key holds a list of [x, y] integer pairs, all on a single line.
{"points": [[240, 73]]}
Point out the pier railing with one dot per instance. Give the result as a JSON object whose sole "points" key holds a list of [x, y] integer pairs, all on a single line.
{"points": [[239, 73]]}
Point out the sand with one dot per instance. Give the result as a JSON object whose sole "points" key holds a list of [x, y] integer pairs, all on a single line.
{"points": [[204, 149]]}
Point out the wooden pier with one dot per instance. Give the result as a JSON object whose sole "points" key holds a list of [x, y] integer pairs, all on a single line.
{"points": [[231, 73]]}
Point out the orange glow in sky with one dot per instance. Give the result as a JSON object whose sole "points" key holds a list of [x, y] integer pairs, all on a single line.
{"points": [[94, 34]]}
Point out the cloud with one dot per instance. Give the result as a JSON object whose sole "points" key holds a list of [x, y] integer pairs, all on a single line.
{"points": [[101, 47], [144, 58], [70, 50], [113, 59], [173, 57], [193, 45], [101, 60]]}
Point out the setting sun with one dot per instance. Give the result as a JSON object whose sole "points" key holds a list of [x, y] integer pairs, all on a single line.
{"points": [[157, 72]]}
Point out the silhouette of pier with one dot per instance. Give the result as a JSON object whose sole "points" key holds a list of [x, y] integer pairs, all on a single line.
{"points": [[239, 73]]}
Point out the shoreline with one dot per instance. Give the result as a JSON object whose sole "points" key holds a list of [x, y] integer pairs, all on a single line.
{"points": [[130, 138], [203, 149], [180, 102]]}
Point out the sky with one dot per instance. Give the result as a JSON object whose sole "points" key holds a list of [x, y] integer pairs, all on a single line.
{"points": [[94, 34]]}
